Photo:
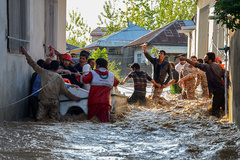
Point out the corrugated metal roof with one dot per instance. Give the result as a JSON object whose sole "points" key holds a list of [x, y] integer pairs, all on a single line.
{"points": [[120, 38], [99, 31], [70, 47], [167, 34]]}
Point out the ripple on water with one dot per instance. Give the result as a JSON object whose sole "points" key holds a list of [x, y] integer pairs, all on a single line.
{"points": [[166, 130]]}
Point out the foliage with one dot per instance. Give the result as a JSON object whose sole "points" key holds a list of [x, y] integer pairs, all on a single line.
{"points": [[223, 8], [154, 51], [112, 25], [112, 66], [77, 29], [147, 14], [99, 54]]}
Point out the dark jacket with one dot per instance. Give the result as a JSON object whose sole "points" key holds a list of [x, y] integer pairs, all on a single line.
{"points": [[214, 74], [78, 67], [165, 68], [71, 77]]}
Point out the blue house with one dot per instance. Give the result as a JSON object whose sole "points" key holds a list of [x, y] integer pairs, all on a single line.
{"points": [[115, 44]]}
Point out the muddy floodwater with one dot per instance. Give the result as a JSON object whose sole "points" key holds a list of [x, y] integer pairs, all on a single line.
{"points": [[169, 129]]}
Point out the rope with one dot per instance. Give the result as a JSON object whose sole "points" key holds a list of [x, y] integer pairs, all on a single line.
{"points": [[147, 85], [29, 95], [216, 48]]}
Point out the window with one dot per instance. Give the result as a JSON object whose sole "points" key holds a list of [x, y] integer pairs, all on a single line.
{"points": [[114, 50], [18, 24], [111, 50], [139, 58]]}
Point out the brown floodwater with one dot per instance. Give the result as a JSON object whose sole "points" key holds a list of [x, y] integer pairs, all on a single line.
{"points": [[172, 129]]}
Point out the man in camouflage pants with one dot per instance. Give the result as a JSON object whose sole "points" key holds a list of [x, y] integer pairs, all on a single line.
{"points": [[187, 80], [201, 78]]}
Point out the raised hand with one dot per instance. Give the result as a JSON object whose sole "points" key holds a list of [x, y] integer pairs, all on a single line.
{"points": [[144, 47], [23, 50]]}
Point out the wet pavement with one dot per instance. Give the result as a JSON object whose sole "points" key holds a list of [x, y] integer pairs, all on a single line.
{"points": [[168, 129]]}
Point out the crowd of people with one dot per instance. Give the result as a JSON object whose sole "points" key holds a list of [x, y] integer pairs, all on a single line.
{"points": [[49, 81], [183, 76]]}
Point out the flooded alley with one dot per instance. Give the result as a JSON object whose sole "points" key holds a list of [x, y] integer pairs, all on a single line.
{"points": [[172, 129]]}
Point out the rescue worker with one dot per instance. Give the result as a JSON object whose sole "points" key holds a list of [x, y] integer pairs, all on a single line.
{"points": [[187, 80], [102, 81], [65, 64], [218, 60], [49, 95], [201, 78], [140, 83]]}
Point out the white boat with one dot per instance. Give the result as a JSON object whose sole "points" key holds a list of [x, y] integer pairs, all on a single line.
{"points": [[66, 104]]}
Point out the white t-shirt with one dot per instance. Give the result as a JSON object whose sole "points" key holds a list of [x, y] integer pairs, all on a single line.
{"points": [[86, 69]]}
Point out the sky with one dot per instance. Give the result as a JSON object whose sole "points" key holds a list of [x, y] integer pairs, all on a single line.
{"points": [[89, 9]]}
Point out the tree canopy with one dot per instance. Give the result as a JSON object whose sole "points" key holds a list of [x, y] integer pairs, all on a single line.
{"points": [[228, 12], [77, 30], [147, 14]]}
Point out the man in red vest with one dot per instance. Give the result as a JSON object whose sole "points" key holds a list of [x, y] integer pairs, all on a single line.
{"points": [[102, 82]]}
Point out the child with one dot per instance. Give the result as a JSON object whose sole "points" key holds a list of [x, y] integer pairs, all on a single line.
{"points": [[140, 82]]}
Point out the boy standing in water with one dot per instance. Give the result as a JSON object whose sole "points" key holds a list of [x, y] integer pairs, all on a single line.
{"points": [[140, 83]]}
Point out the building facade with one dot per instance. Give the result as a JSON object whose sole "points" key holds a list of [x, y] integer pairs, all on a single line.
{"points": [[35, 25]]}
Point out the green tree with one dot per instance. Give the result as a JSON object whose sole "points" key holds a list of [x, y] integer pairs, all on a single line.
{"points": [[154, 51], [228, 13], [110, 17], [99, 54], [77, 30], [112, 66], [147, 14]]}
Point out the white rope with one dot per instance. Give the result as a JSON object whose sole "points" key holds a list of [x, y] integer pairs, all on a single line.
{"points": [[216, 48], [29, 95]]}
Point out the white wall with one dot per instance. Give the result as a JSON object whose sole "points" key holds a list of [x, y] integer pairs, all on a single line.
{"points": [[15, 72], [61, 31]]}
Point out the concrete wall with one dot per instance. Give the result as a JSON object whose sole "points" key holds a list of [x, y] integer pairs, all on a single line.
{"points": [[209, 34], [126, 58], [202, 31], [61, 31], [234, 90], [15, 72]]}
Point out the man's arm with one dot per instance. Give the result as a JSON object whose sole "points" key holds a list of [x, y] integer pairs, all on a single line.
{"points": [[30, 61], [171, 82], [198, 80], [188, 60], [66, 92], [64, 71], [156, 84], [144, 48], [184, 78], [125, 80], [116, 82]]}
